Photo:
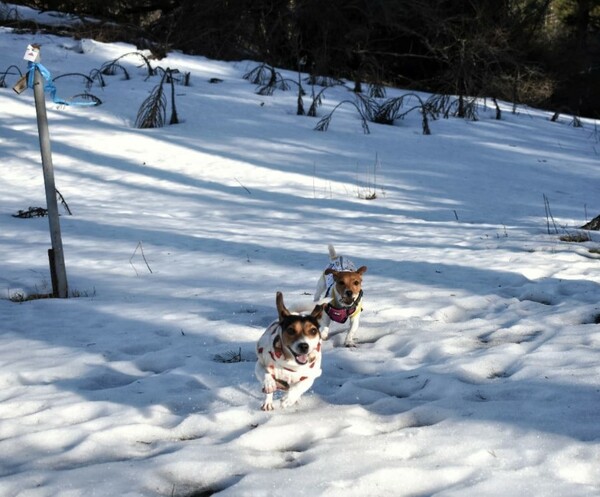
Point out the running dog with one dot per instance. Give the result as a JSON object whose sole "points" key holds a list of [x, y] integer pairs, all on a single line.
{"points": [[289, 355], [341, 284]]}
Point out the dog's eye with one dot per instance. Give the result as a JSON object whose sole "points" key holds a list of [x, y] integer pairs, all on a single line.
{"points": [[356, 283], [313, 331], [290, 331]]}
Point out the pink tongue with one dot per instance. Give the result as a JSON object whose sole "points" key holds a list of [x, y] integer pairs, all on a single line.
{"points": [[301, 359]]}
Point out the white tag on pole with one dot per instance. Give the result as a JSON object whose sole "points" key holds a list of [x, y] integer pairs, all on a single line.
{"points": [[32, 54]]}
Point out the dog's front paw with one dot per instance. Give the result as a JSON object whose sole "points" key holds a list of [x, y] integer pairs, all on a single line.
{"points": [[351, 344], [324, 333], [267, 405], [269, 386]]}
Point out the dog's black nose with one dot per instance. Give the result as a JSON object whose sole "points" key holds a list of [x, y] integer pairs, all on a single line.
{"points": [[303, 348], [348, 293]]}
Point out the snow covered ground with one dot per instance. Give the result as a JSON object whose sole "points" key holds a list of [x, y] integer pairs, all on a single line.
{"points": [[478, 366]]}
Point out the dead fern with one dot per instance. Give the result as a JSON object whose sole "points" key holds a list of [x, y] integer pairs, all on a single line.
{"points": [[380, 111], [87, 96], [376, 90], [389, 111], [183, 78], [153, 111], [41, 211], [498, 110], [168, 74], [562, 110], [267, 79], [325, 81], [61, 199], [276, 82], [260, 75], [323, 124], [88, 80], [300, 105], [112, 68], [96, 75], [449, 106], [31, 212], [317, 101]]}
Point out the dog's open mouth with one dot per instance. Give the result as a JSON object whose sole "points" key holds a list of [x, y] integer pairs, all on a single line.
{"points": [[301, 358]]}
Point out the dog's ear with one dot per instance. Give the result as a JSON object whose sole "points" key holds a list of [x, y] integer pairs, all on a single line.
{"points": [[316, 312], [361, 269], [332, 272], [281, 309]]}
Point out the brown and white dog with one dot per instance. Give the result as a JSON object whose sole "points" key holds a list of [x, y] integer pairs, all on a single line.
{"points": [[289, 355], [341, 285]]}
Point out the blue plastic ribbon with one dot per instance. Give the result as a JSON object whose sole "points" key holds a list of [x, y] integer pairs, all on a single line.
{"points": [[49, 86]]}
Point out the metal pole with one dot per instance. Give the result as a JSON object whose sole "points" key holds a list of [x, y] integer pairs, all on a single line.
{"points": [[61, 289]]}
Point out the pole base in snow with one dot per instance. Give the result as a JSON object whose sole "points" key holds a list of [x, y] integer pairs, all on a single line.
{"points": [[53, 276]]}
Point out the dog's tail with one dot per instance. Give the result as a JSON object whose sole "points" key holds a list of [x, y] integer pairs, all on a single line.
{"points": [[332, 253]]}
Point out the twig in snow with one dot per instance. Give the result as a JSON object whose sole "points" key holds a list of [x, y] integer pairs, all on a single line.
{"points": [[229, 357], [141, 247], [549, 216], [249, 192]]}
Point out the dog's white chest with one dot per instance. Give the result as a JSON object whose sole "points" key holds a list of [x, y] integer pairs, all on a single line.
{"points": [[284, 371]]}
